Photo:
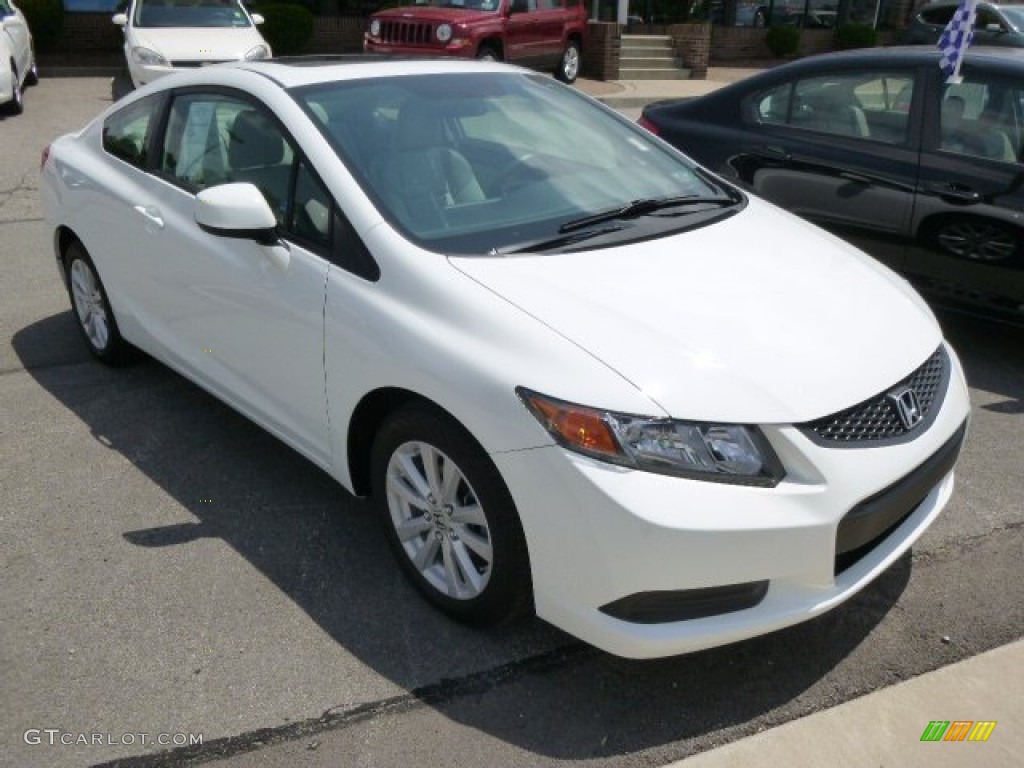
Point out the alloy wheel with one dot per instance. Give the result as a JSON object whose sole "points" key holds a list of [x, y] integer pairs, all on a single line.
{"points": [[89, 304], [439, 521]]}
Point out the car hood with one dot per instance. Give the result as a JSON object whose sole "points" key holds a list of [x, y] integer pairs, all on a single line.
{"points": [[437, 15], [198, 43], [760, 318]]}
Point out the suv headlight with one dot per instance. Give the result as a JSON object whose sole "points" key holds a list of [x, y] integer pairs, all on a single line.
{"points": [[727, 453], [147, 57], [257, 53], [444, 32], [375, 27]]}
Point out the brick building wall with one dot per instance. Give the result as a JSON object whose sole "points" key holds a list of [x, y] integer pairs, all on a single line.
{"points": [[600, 59], [693, 45]]}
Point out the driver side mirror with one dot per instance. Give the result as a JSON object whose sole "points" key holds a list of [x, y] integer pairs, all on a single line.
{"points": [[239, 210], [120, 19], [236, 210]]}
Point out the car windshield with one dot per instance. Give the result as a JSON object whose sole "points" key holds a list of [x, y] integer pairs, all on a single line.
{"points": [[1014, 14], [490, 163], [189, 13]]}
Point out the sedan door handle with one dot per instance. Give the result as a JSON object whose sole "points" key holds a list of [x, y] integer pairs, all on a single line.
{"points": [[858, 177], [152, 214], [957, 194]]}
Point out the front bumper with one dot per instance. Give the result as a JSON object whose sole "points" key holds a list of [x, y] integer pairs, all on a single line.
{"points": [[601, 535], [463, 48]]}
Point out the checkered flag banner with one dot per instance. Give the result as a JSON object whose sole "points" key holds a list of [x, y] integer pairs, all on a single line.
{"points": [[955, 38]]}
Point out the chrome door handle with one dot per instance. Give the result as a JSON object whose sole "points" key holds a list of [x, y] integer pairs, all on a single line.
{"points": [[152, 214]]}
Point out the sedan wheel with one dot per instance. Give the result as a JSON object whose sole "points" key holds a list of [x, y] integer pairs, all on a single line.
{"points": [[977, 240], [569, 66], [17, 103], [488, 53], [33, 73], [450, 518], [89, 300]]}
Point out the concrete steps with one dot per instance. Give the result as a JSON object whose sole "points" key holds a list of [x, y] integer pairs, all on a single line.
{"points": [[650, 57]]}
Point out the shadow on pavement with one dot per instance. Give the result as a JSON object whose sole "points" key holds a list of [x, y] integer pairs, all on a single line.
{"points": [[323, 549]]}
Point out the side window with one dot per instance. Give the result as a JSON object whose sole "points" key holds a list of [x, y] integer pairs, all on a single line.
{"points": [[216, 139], [939, 16], [523, 6], [980, 119], [772, 106], [869, 105], [311, 213], [126, 132], [984, 17]]}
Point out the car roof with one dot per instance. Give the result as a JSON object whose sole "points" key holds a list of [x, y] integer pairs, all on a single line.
{"points": [[902, 55], [291, 72]]}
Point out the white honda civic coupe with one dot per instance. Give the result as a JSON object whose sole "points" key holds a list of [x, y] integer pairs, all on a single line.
{"points": [[578, 374]]}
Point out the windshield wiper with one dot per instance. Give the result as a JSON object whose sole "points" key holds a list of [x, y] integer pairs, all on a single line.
{"points": [[642, 207], [549, 243]]}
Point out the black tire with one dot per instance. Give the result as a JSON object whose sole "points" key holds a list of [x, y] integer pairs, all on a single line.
{"points": [[17, 103], [121, 85], [568, 68], [488, 52], [33, 73], [440, 530], [91, 308]]}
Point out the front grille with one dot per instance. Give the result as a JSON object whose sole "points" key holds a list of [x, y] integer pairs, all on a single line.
{"points": [[878, 419], [406, 32], [192, 64]]}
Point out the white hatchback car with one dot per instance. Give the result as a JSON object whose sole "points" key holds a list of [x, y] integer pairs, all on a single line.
{"points": [[163, 35], [578, 374], [17, 58]]}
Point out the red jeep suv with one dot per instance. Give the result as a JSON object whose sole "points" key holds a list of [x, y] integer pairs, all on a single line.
{"points": [[537, 33]]}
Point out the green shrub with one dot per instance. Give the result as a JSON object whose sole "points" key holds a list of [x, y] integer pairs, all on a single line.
{"points": [[45, 20], [287, 27], [856, 36], [783, 40]]}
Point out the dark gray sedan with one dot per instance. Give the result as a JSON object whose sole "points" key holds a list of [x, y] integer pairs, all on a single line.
{"points": [[875, 146], [994, 24]]}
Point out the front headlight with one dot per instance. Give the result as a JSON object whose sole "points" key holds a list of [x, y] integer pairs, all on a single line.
{"points": [[147, 57], [257, 53], [444, 32], [375, 28], [728, 453]]}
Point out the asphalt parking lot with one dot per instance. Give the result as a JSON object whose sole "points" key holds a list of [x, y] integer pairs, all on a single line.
{"points": [[170, 570]]}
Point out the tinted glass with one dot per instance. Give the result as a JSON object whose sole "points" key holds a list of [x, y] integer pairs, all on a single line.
{"points": [[871, 105], [940, 16], [981, 118], [126, 132], [467, 163], [201, 13], [215, 139]]}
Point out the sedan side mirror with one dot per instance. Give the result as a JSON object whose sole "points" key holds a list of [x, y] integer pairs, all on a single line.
{"points": [[257, 19], [120, 19], [239, 210], [236, 210]]}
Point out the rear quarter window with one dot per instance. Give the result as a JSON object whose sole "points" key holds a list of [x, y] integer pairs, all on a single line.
{"points": [[126, 132]]}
